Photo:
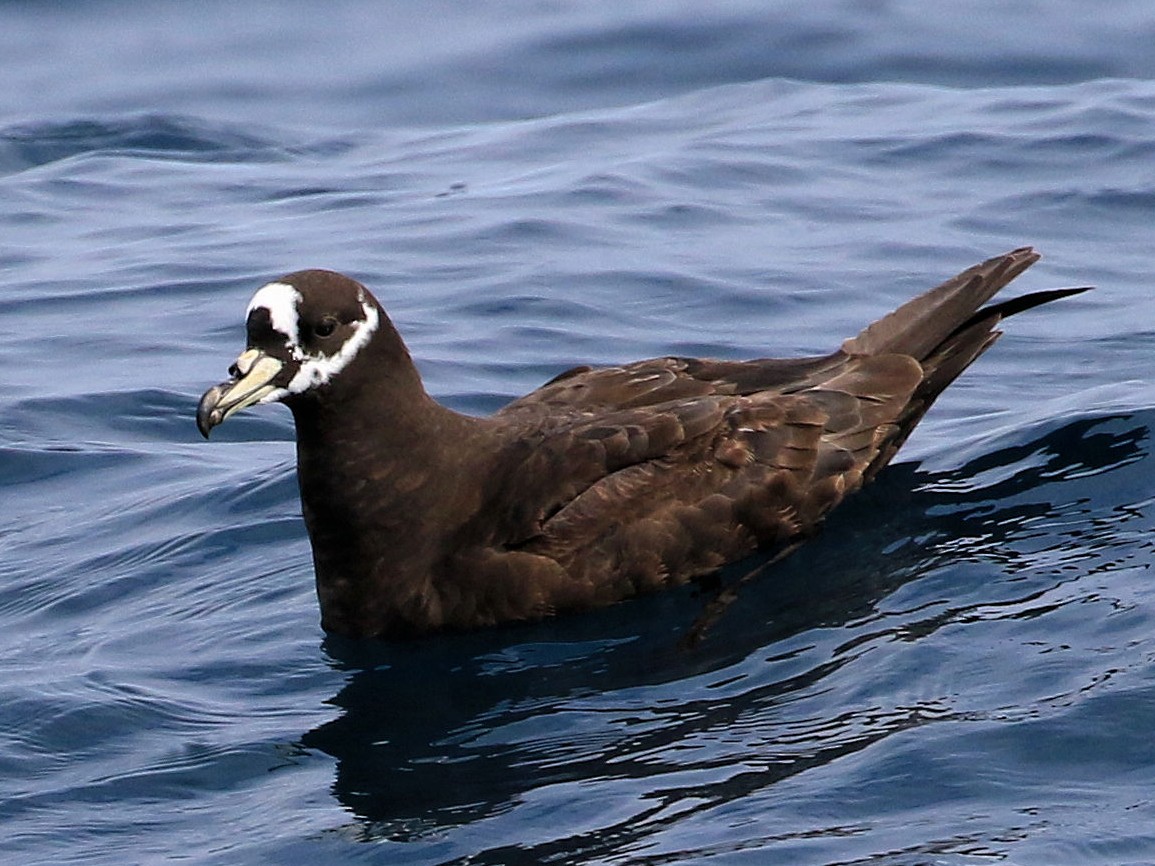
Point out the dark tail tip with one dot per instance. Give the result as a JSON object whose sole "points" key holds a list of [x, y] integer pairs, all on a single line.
{"points": [[1034, 299], [995, 313]]}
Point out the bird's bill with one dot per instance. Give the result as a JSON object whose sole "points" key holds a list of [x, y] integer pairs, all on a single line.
{"points": [[254, 372]]}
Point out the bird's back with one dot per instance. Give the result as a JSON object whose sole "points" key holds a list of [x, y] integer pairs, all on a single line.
{"points": [[665, 469]]}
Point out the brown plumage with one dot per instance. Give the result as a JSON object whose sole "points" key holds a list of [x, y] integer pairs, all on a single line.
{"points": [[599, 485]]}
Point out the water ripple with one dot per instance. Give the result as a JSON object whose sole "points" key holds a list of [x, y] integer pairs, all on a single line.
{"points": [[957, 668]]}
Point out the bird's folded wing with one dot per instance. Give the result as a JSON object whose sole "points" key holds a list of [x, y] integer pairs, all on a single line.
{"points": [[759, 466]]}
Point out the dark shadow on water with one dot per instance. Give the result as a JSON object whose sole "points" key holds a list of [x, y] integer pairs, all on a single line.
{"points": [[449, 730]]}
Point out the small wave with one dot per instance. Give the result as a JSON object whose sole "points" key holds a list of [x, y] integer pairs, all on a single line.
{"points": [[30, 145]]}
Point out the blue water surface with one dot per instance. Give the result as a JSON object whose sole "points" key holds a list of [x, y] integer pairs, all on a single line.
{"points": [[959, 670]]}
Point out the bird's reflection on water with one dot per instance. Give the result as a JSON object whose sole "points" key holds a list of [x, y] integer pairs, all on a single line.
{"points": [[452, 729]]}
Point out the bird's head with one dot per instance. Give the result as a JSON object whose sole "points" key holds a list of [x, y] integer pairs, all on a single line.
{"points": [[303, 331]]}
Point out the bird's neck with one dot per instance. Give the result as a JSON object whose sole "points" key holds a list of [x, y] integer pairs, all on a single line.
{"points": [[381, 487]]}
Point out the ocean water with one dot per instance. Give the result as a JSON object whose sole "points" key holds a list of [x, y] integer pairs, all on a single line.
{"points": [[959, 670]]}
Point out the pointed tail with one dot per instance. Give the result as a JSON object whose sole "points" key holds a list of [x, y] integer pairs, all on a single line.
{"points": [[946, 329]]}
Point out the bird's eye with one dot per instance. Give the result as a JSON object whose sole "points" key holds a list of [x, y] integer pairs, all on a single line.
{"points": [[326, 327]]}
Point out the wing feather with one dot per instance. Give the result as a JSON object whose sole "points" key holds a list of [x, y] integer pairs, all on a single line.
{"points": [[664, 469]]}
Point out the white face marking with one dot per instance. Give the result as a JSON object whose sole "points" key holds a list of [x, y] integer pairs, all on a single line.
{"points": [[281, 300], [319, 369], [316, 369]]}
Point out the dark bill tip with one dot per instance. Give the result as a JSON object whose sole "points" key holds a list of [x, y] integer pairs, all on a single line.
{"points": [[209, 414]]}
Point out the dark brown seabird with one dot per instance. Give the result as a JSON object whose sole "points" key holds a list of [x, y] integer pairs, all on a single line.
{"points": [[601, 484]]}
